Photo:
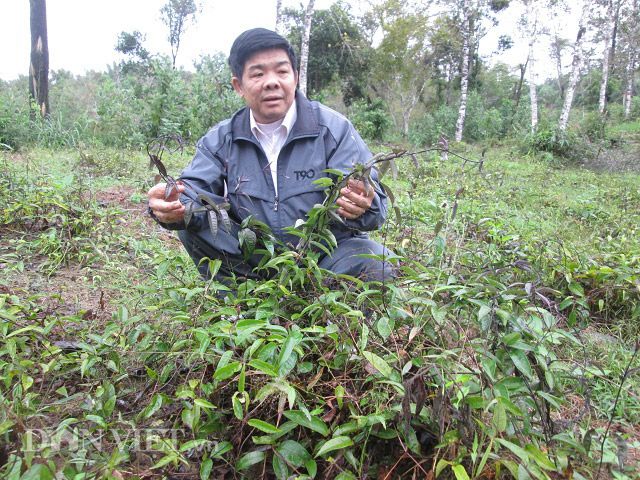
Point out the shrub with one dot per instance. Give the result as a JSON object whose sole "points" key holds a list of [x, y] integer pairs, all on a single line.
{"points": [[427, 130], [120, 116], [15, 128], [592, 126], [552, 140], [370, 118]]}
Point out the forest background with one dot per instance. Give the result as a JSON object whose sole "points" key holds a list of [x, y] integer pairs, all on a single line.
{"points": [[508, 346]]}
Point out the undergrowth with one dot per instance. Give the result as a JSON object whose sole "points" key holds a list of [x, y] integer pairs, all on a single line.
{"points": [[482, 360]]}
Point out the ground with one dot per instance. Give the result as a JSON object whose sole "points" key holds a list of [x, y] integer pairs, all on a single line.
{"points": [[89, 298]]}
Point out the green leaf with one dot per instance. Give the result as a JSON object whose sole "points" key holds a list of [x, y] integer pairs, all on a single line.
{"points": [[98, 420], [6, 426], [484, 459], [167, 459], [294, 453], [378, 363], [238, 408], [441, 465], [220, 449], [294, 339], [383, 327], [201, 402], [540, 457], [247, 239], [263, 426], [336, 443], [205, 469], [154, 405], [264, 367], [279, 468], [312, 467], [315, 424], [521, 362], [364, 337], [222, 373], [323, 182], [339, 392], [38, 472], [499, 417], [249, 459], [576, 289], [333, 171], [518, 451], [191, 444], [242, 379], [460, 472]]}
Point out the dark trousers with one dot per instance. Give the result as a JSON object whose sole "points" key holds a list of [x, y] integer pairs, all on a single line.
{"points": [[345, 259]]}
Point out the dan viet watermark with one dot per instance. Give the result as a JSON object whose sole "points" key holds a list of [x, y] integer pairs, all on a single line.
{"points": [[82, 439]]}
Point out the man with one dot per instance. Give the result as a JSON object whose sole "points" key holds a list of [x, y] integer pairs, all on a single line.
{"points": [[263, 162]]}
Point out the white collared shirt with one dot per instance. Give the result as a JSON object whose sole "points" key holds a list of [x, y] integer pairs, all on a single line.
{"points": [[272, 137]]}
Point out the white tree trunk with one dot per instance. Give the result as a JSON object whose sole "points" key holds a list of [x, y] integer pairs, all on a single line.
{"points": [[533, 94], [631, 61], [575, 68], [628, 90], [304, 50], [279, 17], [532, 30], [464, 79], [408, 104], [608, 36]]}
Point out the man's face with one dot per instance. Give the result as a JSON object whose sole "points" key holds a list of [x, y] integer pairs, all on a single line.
{"points": [[268, 84]]}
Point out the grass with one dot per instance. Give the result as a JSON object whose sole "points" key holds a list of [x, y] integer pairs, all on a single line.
{"points": [[513, 323]]}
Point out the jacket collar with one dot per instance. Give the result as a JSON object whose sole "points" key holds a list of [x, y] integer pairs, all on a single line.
{"points": [[306, 124]]}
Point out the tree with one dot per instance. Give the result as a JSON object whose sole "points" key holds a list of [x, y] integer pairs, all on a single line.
{"points": [[575, 66], [176, 15], [611, 20], [304, 50], [402, 66], [279, 19], [472, 13], [130, 44], [631, 37], [467, 31], [39, 65], [531, 24], [445, 44], [340, 51]]}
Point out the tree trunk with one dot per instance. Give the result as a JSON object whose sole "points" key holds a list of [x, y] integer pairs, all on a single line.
{"points": [[279, 17], [39, 65], [557, 50], [606, 56], [628, 90], [533, 94], [408, 104], [304, 50], [464, 79], [532, 31], [631, 60], [575, 68]]}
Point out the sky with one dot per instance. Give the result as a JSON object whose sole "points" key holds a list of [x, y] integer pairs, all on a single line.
{"points": [[83, 33]]}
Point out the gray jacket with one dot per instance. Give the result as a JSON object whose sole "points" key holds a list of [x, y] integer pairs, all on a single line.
{"points": [[229, 158]]}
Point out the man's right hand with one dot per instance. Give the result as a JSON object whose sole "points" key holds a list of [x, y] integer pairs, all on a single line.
{"points": [[169, 210]]}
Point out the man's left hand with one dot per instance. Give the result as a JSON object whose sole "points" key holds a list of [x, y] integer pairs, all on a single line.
{"points": [[354, 200]]}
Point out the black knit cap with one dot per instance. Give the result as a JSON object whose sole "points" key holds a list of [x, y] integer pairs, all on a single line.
{"points": [[253, 41]]}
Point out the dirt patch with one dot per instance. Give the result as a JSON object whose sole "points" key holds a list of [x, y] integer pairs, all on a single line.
{"points": [[625, 159], [625, 436], [71, 292], [85, 292]]}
